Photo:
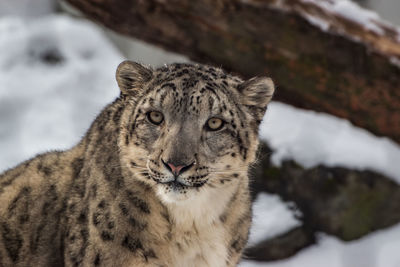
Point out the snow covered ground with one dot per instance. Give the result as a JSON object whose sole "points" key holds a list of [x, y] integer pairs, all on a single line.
{"points": [[271, 217], [57, 73], [380, 249], [55, 76], [312, 138]]}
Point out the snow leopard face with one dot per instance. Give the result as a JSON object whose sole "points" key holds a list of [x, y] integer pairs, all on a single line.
{"points": [[189, 128]]}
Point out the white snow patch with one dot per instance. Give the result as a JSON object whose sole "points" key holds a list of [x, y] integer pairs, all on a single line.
{"points": [[351, 11], [312, 138], [380, 249], [321, 23], [395, 60], [271, 218], [49, 106], [332, 9], [27, 8]]}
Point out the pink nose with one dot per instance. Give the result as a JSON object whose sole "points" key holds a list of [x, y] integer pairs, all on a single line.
{"points": [[175, 169]]}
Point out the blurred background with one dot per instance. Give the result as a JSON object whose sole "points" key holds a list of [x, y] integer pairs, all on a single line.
{"points": [[326, 190]]}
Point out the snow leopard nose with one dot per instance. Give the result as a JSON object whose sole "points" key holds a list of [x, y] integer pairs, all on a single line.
{"points": [[176, 170]]}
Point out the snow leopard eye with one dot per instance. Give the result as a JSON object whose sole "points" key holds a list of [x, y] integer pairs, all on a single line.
{"points": [[155, 117], [214, 124]]}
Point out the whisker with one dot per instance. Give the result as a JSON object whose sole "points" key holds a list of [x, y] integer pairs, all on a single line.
{"points": [[228, 171], [224, 169], [140, 172], [139, 168]]}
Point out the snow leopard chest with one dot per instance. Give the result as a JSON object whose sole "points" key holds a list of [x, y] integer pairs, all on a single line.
{"points": [[197, 247]]}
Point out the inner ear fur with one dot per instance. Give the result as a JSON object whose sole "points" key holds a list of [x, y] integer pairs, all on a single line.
{"points": [[132, 76]]}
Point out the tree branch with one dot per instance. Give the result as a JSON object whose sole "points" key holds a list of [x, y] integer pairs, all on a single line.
{"points": [[319, 58]]}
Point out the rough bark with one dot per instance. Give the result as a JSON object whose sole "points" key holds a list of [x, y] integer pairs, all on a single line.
{"points": [[341, 202], [346, 69]]}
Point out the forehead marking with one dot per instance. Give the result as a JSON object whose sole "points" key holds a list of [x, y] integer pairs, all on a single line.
{"points": [[210, 103], [172, 85], [163, 97], [209, 88]]}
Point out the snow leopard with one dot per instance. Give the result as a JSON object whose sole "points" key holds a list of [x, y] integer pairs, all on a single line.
{"points": [[159, 179]]}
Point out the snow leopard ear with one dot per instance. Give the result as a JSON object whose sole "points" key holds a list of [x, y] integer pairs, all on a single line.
{"points": [[132, 76], [257, 93]]}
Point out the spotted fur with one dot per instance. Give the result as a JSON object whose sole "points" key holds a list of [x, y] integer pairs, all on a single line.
{"points": [[112, 201]]}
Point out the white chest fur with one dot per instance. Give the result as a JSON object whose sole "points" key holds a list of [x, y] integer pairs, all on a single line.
{"points": [[199, 238], [199, 247]]}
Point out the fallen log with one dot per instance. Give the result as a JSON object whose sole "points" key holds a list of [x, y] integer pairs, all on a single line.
{"points": [[326, 55]]}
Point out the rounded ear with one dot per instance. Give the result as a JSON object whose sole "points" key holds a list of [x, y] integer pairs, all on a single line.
{"points": [[257, 93], [132, 76]]}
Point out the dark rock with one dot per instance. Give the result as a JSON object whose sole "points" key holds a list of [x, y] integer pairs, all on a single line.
{"points": [[282, 246], [345, 203]]}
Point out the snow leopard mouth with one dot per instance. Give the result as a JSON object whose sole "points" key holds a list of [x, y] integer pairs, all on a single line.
{"points": [[178, 185], [178, 182]]}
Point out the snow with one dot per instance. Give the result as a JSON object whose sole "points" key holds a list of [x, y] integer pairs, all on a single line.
{"points": [[272, 217], [321, 23], [26, 8], [332, 9], [351, 11], [354, 12], [346, 9], [379, 249], [312, 138], [58, 73], [394, 60], [50, 105]]}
